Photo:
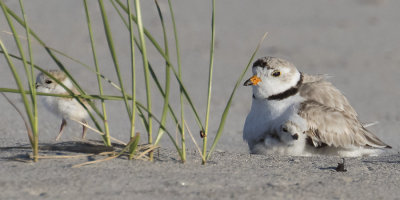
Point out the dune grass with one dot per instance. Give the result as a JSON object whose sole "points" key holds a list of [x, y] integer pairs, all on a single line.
{"points": [[131, 15], [100, 85], [210, 75], [30, 105]]}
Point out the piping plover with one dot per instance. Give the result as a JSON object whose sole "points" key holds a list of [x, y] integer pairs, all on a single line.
{"points": [[67, 108], [293, 113]]}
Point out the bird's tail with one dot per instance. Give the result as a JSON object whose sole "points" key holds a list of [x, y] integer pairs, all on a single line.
{"points": [[374, 141]]}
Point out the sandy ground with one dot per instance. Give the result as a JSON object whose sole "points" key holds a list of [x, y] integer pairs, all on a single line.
{"points": [[356, 42]]}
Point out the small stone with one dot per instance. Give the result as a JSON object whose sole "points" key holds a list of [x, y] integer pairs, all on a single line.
{"points": [[341, 167]]}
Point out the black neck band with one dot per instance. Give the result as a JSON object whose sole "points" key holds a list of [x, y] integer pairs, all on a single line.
{"points": [[290, 92]]}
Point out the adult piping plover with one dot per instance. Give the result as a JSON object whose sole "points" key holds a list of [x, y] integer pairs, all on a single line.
{"points": [[293, 113], [67, 108]]}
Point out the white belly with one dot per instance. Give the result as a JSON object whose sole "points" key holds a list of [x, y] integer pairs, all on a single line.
{"points": [[266, 119]]}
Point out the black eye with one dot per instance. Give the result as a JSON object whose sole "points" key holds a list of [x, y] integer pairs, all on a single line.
{"points": [[276, 73], [48, 81]]}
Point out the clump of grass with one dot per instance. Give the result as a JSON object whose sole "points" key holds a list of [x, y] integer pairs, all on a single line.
{"points": [[132, 18], [30, 105], [9, 12]]}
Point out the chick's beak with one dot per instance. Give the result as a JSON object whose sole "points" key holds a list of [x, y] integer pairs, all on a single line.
{"points": [[254, 80]]}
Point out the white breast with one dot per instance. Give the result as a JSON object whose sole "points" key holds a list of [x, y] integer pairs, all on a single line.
{"points": [[266, 117]]}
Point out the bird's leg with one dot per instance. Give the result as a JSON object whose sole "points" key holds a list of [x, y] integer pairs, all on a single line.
{"points": [[84, 129], [63, 124]]}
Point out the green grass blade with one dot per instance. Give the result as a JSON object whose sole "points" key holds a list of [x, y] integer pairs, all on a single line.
{"points": [[178, 58], [119, 12], [210, 75], [228, 104], [21, 51], [142, 117], [35, 126], [167, 77], [133, 70], [113, 54], [106, 136], [146, 70], [31, 73]]}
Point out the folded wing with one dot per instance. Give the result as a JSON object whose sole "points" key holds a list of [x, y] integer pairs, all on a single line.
{"points": [[334, 127], [316, 88]]}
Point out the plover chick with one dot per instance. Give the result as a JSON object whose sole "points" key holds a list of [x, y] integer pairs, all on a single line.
{"points": [[293, 113], [66, 108]]}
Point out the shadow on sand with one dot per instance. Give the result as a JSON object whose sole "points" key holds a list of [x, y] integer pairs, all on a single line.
{"points": [[62, 148]]}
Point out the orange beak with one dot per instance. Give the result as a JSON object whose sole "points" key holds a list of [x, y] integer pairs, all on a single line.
{"points": [[254, 80]]}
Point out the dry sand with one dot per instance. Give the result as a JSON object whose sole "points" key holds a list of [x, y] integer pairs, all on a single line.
{"points": [[356, 42]]}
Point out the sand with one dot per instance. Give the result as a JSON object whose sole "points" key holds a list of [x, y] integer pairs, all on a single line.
{"points": [[355, 42]]}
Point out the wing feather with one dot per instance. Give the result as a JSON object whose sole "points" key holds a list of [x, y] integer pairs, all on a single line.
{"points": [[333, 127], [316, 88]]}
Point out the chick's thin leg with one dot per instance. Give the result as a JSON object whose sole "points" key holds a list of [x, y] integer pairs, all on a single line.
{"points": [[63, 124], [84, 129]]}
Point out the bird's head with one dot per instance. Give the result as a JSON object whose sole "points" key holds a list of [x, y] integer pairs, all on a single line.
{"points": [[46, 84], [272, 76]]}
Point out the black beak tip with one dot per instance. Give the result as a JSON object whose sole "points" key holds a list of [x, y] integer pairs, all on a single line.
{"points": [[247, 83]]}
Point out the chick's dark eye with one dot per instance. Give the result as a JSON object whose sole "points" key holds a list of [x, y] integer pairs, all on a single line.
{"points": [[276, 73], [48, 81]]}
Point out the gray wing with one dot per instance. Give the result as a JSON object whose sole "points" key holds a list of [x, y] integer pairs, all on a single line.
{"points": [[316, 88], [326, 125]]}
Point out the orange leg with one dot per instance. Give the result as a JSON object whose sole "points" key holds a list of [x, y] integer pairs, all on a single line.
{"points": [[84, 129], [63, 124]]}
